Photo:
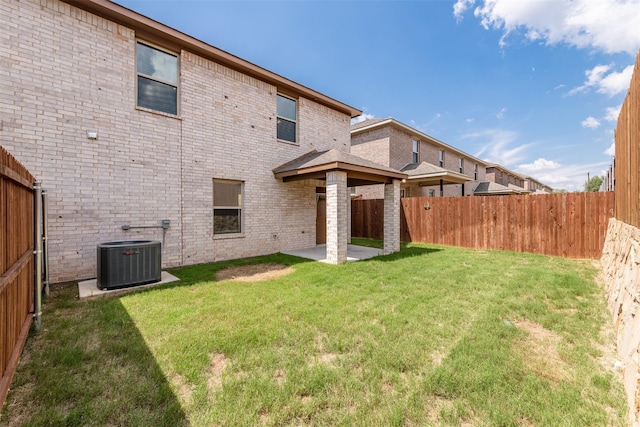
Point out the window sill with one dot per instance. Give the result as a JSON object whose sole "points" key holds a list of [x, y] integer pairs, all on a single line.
{"points": [[159, 113], [284, 141], [228, 236]]}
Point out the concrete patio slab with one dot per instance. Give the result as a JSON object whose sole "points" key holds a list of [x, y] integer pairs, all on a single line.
{"points": [[319, 253], [89, 288]]}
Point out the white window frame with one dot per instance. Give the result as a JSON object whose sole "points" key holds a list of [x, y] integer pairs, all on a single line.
{"points": [[441, 158], [475, 172], [159, 80], [239, 208], [415, 151], [295, 122], [461, 165]]}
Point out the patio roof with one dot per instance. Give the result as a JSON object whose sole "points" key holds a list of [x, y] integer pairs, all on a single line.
{"points": [[427, 174], [316, 164], [493, 189], [518, 189]]}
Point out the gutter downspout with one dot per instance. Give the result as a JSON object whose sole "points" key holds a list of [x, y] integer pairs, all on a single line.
{"points": [[37, 315]]}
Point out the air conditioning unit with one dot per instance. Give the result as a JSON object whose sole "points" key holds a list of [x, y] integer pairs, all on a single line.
{"points": [[128, 263]]}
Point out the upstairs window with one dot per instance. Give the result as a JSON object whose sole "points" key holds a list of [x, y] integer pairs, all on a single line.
{"points": [[461, 165], [475, 172], [157, 79], [416, 151], [287, 119], [441, 158], [227, 206]]}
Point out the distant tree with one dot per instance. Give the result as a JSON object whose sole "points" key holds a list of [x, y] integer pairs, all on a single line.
{"points": [[559, 190], [593, 184]]}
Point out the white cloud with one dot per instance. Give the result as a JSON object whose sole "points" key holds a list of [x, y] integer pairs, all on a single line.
{"points": [[609, 26], [460, 8], [606, 81], [501, 114], [590, 122], [612, 113], [469, 120], [362, 118], [539, 165], [557, 175], [615, 83], [497, 146], [611, 151], [594, 77]]}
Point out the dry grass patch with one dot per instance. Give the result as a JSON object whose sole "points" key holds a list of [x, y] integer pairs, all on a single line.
{"points": [[218, 364], [254, 273], [539, 350], [183, 389], [327, 358], [280, 376]]}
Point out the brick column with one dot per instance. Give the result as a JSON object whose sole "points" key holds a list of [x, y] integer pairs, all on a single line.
{"points": [[392, 217], [337, 217], [348, 215]]}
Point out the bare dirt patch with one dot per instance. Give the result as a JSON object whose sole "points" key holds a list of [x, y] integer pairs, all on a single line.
{"points": [[218, 364], [279, 376], [183, 388], [539, 350], [254, 273], [327, 358]]}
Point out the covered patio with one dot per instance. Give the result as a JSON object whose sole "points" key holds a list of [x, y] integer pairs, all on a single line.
{"points": [[426, 175], [340, 171], [319, 253]]}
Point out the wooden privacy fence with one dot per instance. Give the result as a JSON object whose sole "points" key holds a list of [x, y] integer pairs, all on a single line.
{"points": [[627, 160], [571, 225], [16, 264]]}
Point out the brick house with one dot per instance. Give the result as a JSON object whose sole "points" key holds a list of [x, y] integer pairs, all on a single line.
{"points": [[503, 181], [533, 186], [129, 122], [433, 167], [505, 177]]}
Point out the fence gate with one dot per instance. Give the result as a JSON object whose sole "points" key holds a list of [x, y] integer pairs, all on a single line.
{"points": [[17, 273]]}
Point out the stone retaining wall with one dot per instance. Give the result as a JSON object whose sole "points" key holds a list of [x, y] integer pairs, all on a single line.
{"points": [[621, 270]]}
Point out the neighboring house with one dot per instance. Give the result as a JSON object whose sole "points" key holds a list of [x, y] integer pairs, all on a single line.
{"points": [[489, 188], [506, 182], [129, 122], [534, 186], [608, 184], [503, 176], [433, 167]]}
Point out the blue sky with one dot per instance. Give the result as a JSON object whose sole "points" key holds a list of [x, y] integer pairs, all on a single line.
{"points": [[534, 85]]}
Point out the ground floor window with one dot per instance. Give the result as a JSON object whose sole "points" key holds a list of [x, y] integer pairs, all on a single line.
{"points": [[227, 206]]}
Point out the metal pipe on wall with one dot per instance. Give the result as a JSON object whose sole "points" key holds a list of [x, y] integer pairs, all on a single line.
{"points": [[37, 237], [45, 240]]}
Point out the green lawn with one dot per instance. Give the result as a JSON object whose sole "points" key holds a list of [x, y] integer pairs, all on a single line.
{"points": [[429, 336]]}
